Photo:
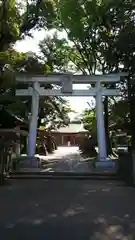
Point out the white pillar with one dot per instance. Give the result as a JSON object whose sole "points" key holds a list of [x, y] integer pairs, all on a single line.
{"points": [[100, 124], [33, 121]]}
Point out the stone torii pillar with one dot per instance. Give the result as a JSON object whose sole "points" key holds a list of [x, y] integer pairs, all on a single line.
{"points": [[33, 120], [102, 150]]}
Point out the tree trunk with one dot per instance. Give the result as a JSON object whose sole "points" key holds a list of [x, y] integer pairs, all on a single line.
{"points": [[131, 100], [106, 119]]}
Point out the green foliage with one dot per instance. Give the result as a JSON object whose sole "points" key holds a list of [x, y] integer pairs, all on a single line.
{"points": [[13, 62], [38, 14], [60, 55], [101, 37], [16, 22], [54, 53], [103, 34], [87, 146], [78, 19], [31, 65], [102, 31], [120, 116], [8, 61], [89, 120], [9, 23], [50, 108]]}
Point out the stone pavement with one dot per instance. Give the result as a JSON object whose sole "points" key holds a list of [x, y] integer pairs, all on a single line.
{"points": [[68, 159], [65, 159], [67, 209]]}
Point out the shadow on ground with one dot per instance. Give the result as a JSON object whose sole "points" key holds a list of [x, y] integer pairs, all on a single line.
{"points": [[66, 209]]}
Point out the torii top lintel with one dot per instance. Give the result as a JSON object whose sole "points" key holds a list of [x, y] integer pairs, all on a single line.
{"points": [[57, 78]]}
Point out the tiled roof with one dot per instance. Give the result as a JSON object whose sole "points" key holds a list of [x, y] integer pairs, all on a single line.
{"points": [[71, 128]]}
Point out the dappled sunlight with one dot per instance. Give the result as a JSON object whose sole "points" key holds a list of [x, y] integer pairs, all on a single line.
{"points": [[74, 210], [70, 159], [38, 221], [109, 188], [31, 221], [106, 189], [92, 190], [100, 228], [61, 152], [52, 215], [69, 213], [114, 228], [94, 210]]}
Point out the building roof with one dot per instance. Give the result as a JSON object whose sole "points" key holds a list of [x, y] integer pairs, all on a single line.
{"points": [[10, 120], [71, 128]]}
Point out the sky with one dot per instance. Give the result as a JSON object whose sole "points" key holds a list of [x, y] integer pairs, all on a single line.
{"points": [[78, 104]]}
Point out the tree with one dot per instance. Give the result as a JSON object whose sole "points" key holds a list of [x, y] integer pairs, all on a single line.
{"points": [[77, 18], [103, 34], [118, 46], [15, 24], [83, 22], [89, 120], [119, 117], [17, 20], [54, 53], [50, 108]]}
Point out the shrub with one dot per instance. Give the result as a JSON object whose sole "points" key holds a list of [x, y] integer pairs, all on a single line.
{"points": [[87, 146]]}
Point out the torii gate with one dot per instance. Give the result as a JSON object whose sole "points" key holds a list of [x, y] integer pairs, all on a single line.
{"points": [[66, 81]]}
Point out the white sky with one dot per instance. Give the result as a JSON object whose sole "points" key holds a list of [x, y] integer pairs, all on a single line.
{"points": [[78, 104]]}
